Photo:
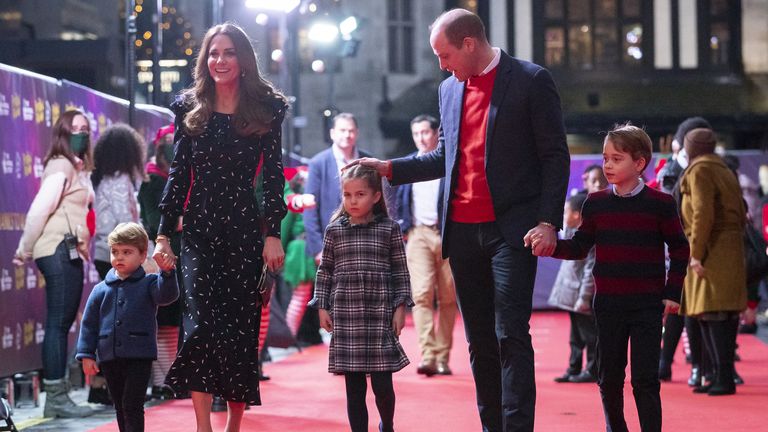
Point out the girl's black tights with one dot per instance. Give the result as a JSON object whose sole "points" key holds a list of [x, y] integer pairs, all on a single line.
{"points": [[357, 411]]}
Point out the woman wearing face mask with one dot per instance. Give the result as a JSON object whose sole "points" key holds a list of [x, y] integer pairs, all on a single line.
{"points": [[56, 237]]}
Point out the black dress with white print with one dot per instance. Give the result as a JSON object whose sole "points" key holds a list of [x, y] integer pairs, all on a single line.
{"points": [[211, 182]]}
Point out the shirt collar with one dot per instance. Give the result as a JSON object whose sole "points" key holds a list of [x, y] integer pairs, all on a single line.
{"points": [[494, 61], [339, 155], [633, 192]]}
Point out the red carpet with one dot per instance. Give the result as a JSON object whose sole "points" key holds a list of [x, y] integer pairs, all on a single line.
{"points": [[302, 396]]}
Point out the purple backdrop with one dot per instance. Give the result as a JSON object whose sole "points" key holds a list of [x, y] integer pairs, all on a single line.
{"points": [[29, 106]]}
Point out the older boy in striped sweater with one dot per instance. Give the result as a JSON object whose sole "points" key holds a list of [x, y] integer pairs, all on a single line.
{"points": [[628, 224]]}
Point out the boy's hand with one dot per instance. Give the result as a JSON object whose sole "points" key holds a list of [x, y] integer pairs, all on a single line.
{"points": [[671, 307], [398, 320], [164, 256], [697, 267], [325, 320], [90, 367]]}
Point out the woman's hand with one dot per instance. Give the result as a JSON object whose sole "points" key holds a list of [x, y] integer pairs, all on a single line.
{"points": [[273, 253], [84, 249], [398, 320], [697, 267], [325, 320], [90, 367], [163, 255]]}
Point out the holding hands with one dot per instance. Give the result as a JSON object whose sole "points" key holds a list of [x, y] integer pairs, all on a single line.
{"points": [[163, 256], [541, 239]]}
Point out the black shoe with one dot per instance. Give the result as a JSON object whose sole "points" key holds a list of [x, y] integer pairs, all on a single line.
{"points": [[443, 369], [695, 377], [748, 328], [218, 404], [584, 377], [737, 379], [566, 377]]}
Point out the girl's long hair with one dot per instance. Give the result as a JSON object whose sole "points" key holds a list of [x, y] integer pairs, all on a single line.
{"points": [[373, 180], [62, 131], [255, 109], [119, 150]]}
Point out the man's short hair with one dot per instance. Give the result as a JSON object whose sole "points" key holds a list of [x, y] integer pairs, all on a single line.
{"points": [[433, 123], [344, 116], [460, 25], [633, 140], [129, 233]]}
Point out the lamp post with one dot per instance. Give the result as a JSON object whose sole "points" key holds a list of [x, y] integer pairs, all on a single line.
{"points": [[130, 58]]}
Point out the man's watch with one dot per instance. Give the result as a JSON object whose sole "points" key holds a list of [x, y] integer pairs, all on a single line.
{"points": [[547, 224]]}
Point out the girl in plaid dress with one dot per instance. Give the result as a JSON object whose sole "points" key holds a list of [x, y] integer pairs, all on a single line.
{"points": [[361, 291]]}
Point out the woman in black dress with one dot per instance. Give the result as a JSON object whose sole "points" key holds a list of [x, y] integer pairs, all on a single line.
{"points": [[225, 123]]}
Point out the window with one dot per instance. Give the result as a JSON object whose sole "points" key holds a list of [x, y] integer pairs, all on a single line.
{"points": [[592, 34], [400, 36], [718, 32]]}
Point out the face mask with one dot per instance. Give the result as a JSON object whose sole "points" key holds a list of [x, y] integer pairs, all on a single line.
{"points": [[78, 143]]}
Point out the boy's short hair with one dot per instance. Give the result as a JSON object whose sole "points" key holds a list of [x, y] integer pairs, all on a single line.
{"points": [[633, 140], [576, 202], [129, 233]]}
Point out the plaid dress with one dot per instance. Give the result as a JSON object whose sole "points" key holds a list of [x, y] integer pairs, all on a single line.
{"points": [[362, 278]]}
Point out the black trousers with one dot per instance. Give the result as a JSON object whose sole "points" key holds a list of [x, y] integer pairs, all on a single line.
{"points": [[494, 288], [583, 335], [127, 380], [357, 410], [616, 330]]}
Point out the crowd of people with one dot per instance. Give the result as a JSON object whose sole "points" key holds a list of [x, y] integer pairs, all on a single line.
{"points": [[183, 240]]}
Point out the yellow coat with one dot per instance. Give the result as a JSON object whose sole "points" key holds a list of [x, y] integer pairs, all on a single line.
{"points": [[713, 213]]}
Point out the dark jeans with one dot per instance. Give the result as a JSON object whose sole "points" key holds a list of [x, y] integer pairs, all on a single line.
{"points": [[127, 380], [494, 288], [583, 335], [616, 329], [63, 289], [357, 411]]}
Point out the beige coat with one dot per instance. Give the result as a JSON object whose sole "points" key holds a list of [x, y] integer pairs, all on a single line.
{"points": [[713, 215]]}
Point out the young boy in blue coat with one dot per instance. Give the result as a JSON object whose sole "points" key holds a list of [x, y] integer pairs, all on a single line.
{"points": [[118, 334]]}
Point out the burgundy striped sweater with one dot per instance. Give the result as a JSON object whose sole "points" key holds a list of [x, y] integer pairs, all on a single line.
{"points": [[629, 234]]}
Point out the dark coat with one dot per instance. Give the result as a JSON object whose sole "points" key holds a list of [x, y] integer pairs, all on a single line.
{"points": [[526, 156], [119, 317], [405, 205]]}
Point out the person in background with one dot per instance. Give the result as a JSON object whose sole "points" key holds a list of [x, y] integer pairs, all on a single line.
{"points": [[573, 290], [118, 169], [56, 237], [714, 215], [593, 179], [226, 122], [118, 335], [169, 316], [420, 216], [668, 179]]}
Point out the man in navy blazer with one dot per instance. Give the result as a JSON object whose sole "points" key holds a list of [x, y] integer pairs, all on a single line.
{"points": [[504, 155]]}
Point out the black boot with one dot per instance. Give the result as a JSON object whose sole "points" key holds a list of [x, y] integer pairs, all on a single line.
{"points": [[722, 335]]}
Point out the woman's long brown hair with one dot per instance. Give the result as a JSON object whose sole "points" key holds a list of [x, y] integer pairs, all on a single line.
{"points": [[62, 131], [255, 109]]}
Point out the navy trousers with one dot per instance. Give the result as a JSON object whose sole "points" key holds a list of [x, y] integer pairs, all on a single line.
{"points": [[494, 288]]}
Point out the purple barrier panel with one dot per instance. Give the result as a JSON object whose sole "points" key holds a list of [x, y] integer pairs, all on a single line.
{"points": [[28, 108]]}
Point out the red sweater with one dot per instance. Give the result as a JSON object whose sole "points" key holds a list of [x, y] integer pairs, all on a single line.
{"points": [[471, 201]]}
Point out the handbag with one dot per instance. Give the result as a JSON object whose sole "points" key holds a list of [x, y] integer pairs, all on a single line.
{"points": [[754, 250], [266, 285]]}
